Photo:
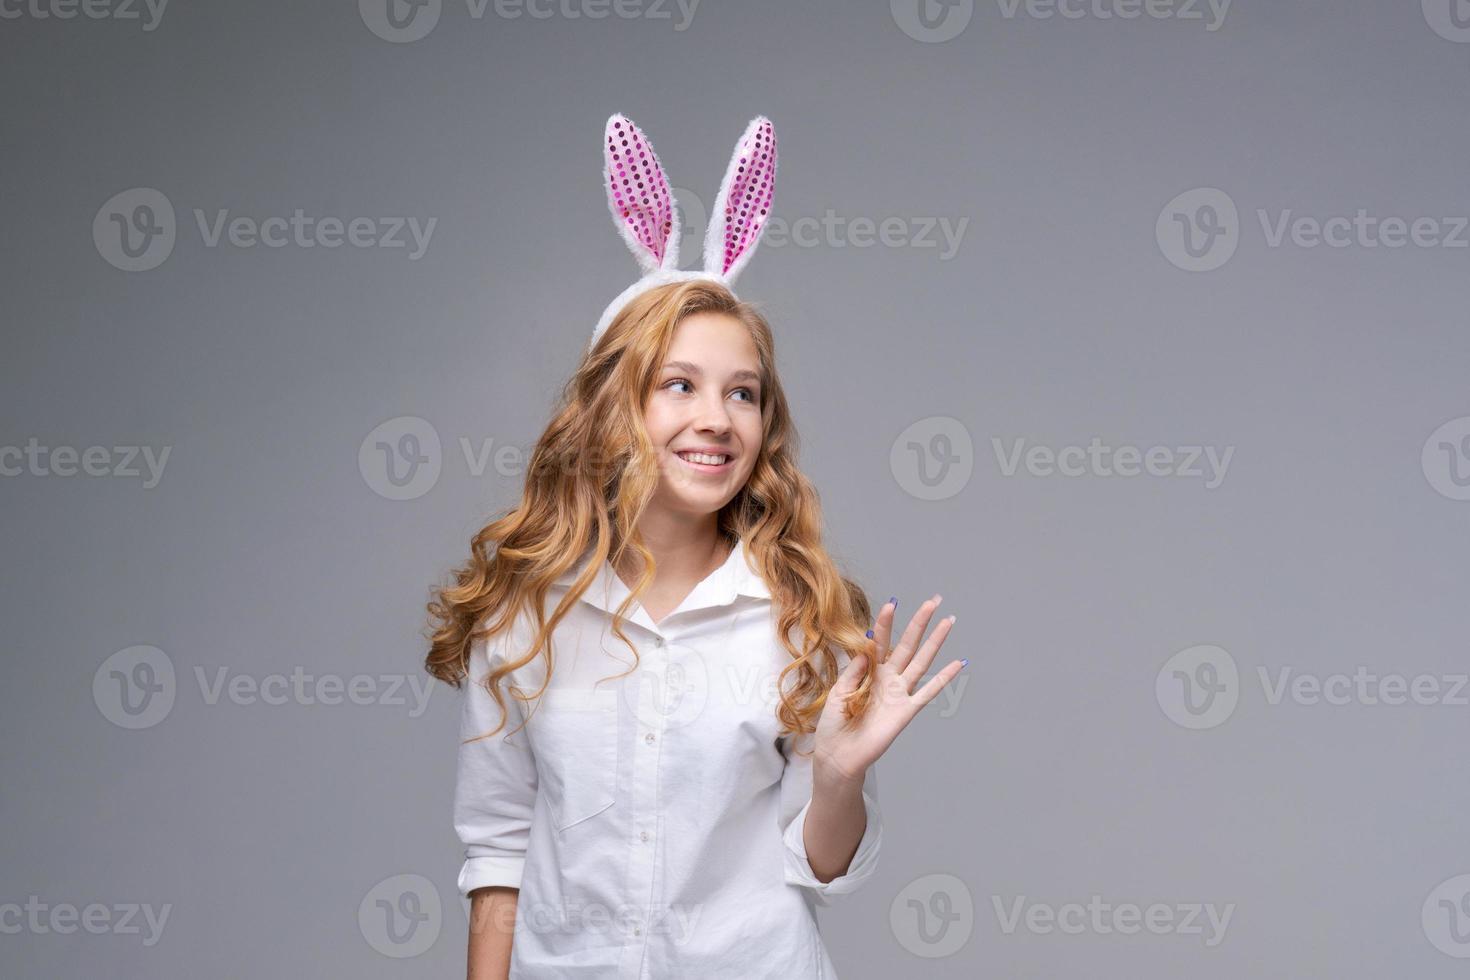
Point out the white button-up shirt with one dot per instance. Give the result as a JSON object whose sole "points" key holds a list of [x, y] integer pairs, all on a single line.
{"points": [[653, 823]]}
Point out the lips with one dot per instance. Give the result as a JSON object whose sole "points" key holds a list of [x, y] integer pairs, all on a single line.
{"points": [[704, 462]]}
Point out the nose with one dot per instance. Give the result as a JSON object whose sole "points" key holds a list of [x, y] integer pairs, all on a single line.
{"points": [[712, 415]]}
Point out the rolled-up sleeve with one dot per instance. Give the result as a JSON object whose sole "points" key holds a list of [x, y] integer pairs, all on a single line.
{"points": [[495, 788], [796, 801]]}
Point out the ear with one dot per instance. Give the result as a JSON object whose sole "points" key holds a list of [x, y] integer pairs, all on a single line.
{"points": [[739, 214], [639, 197]]}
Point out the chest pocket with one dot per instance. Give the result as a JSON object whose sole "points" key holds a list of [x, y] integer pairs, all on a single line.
{"points": [[574, 736]]}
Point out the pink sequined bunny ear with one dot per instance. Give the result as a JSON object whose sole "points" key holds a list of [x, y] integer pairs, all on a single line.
{"points": [[639, 197], [740, 210]]}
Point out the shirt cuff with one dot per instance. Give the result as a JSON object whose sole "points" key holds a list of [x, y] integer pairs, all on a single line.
{"points": [[862, 866], [483, 870]]}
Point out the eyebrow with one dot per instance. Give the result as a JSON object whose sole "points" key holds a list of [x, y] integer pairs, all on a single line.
{"points": [[694, 369]]}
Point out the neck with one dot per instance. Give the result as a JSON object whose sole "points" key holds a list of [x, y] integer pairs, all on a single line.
{"points": [[681, 549]]}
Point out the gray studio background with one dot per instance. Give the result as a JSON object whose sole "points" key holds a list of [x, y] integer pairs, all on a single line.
{"points": [[1113, 735]]}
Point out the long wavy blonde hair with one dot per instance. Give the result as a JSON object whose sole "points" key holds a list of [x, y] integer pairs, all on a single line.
{"points": [[590, 477]]}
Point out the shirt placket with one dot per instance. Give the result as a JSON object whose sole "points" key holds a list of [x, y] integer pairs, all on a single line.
{"points": [[643, 825]]}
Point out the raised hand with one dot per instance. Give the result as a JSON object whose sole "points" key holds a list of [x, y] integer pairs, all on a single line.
{"points": [[847, 753]]}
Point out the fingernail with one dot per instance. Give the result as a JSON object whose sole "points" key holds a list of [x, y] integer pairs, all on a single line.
{"points": [[965, 662], [870, 634], [894, 599]]}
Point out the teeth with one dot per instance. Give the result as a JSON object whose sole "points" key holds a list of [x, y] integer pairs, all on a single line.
{"points": [[703, 458]]}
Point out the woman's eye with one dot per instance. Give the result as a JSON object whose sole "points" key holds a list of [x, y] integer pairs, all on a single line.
{"points": [[749, 395]]}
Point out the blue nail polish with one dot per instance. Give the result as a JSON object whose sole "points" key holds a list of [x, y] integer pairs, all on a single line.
{"points": [[894, 599], [870, 634], [965, 662]]}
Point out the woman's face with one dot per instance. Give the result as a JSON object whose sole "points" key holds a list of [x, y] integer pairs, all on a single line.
{"points": [[707, 398]]}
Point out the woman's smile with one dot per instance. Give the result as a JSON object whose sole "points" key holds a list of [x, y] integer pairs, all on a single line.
{"points": [[705, 462]]}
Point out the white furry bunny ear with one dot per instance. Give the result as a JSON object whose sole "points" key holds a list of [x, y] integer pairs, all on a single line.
{"points": [[739, 214], [639, 197], [644, 210]]}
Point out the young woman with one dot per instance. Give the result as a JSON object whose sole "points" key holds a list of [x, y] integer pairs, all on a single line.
{"points": [[683, 767]]}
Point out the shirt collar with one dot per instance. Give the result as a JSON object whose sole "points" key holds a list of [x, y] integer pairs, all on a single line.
{"points": [[734, 578]]}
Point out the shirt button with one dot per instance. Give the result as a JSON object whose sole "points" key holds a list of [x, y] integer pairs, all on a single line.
{"points": [[637, 931], [648, 738], [643, 836], [658, 641]]}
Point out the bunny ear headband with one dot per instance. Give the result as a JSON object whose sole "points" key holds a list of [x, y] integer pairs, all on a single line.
{"points": [[645, 213]]}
